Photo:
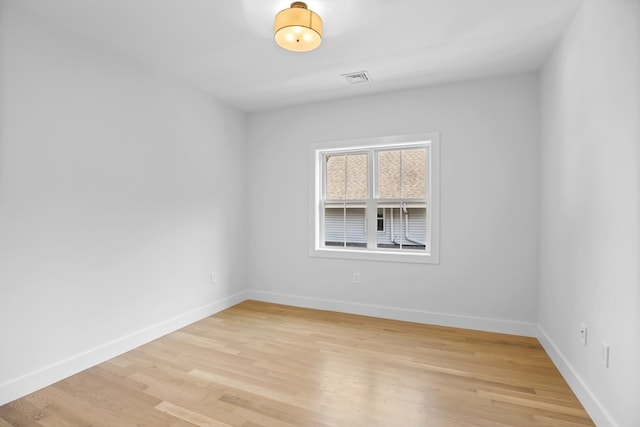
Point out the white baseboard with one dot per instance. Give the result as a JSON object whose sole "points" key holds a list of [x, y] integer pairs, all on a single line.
{"points": [[395, 313], [591, 404], [33, 381]]}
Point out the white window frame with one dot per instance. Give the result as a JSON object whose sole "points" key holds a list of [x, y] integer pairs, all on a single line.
{"points": [[316, 152]]}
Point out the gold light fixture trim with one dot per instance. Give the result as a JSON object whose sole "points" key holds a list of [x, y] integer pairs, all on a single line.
{"points": [[298, 28]]}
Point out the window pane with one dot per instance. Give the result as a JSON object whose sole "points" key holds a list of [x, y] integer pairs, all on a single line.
{"points": [[356, 227], [335, 177], [345, 226], [346, 176], [357, 176], [404, 228], [389, 174], [414, 183]]}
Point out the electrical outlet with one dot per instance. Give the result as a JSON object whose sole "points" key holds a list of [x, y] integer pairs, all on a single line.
{"points": [[583, 334], [356, 278], [604, 354], [214, 277]]}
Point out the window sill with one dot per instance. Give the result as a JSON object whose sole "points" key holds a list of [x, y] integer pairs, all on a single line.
{"points": [[378, 255]]}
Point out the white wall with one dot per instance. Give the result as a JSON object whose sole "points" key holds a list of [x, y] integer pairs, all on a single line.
{"points": [[488, 274], [590, 256], [120, 192]]}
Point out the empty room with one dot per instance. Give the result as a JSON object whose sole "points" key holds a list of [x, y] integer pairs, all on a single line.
{"points": [[332, 213]]}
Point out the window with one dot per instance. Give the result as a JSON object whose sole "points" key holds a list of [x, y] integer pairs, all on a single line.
{"points": [[376, 199], [380, 220]]}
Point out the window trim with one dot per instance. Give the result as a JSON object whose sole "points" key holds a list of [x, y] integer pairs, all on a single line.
{"points": [[316, 150]]}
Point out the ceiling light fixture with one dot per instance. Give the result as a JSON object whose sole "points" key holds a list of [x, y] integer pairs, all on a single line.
{"points": [[298, 28]]}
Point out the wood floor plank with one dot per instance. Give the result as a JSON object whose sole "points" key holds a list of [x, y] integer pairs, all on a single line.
{"points": [[260, 364], [189, 416]]}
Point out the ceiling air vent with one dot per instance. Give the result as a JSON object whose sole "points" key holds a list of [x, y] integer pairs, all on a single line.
{"points": [[357, 77]]}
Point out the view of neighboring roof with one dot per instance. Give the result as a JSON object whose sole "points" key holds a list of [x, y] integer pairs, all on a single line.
{"points": [[401, 174]]}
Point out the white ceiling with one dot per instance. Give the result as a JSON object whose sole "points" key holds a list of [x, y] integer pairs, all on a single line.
{"points": [[226, 48]]}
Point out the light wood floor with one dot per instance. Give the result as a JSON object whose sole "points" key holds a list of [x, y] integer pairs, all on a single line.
{"points": [[259, 364]]}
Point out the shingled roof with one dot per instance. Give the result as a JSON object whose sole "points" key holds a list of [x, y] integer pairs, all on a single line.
{"points": [[352, 168]]}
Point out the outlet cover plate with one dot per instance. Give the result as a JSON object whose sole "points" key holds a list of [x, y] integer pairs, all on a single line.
{"points": [[583, 334]]}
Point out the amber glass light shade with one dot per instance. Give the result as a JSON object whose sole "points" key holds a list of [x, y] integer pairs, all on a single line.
{"points": [[298, 28]]}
